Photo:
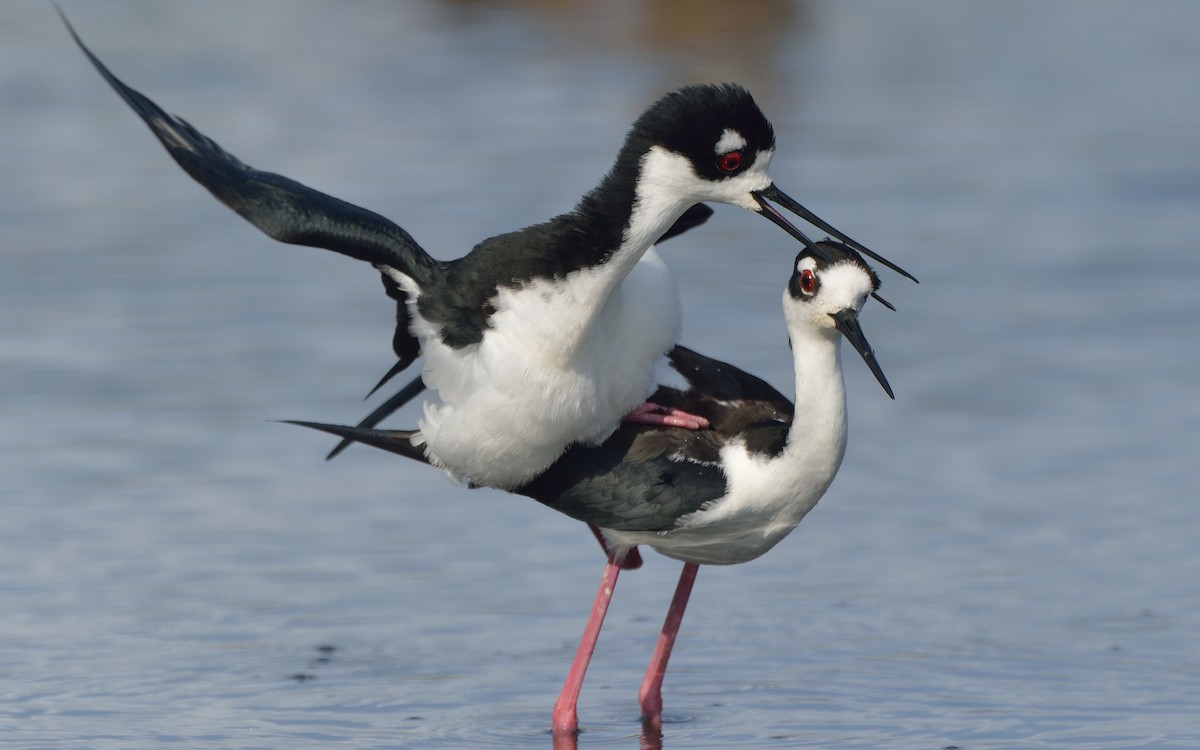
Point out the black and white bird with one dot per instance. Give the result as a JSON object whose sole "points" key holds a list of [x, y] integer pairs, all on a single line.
{"points": [[716, 496], [543, 337]]}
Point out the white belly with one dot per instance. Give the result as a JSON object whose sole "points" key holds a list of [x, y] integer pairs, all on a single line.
{"points": [[766, 499], [561, 364]]}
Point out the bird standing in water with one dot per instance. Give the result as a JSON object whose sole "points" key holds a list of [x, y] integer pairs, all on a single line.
{"points": [[716, 496]]}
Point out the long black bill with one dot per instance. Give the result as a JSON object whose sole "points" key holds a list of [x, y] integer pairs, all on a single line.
{"points": [[772, 193], [847, 322], [781, 221]]}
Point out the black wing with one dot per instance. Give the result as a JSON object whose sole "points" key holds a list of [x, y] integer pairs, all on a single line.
{"points": [[281, 207], [721, 380], [736, 403], [633, 482], [638, 480]]}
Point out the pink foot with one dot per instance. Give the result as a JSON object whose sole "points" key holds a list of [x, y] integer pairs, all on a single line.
{"points": [[650, 413]]}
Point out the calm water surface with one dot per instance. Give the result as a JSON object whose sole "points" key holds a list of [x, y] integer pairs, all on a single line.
{"points": [[1009, 558]]}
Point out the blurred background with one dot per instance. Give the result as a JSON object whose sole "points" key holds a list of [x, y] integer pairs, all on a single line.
{"points": [[1007, 559]]}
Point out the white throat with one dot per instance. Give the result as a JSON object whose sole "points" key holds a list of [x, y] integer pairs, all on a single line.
{"points": [[817, 439]]}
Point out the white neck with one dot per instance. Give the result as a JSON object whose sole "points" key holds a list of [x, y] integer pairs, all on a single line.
{"points": [[596, 292], [658, 204], [816, 440]]}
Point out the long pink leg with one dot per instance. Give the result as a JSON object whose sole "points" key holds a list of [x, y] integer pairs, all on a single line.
{"points": [[650, 694], [651, 413], [565, 719]]}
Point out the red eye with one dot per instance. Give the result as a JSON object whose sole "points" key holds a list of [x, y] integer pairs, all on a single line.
{"points": [[808, 281], [730, 162]]}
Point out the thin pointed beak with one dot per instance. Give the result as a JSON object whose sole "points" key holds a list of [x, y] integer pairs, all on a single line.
{"points": [[771, 213], [883, 302], [847, 322], [772, 193]]}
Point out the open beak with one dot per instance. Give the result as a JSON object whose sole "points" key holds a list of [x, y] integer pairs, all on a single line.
{"points": [[772, 193], [847, 322]]}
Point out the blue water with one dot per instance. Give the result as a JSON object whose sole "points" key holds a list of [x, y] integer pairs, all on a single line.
{"points": [[1009, 558]]}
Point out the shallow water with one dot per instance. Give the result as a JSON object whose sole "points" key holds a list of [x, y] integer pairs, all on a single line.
{"points": [[1008, 558]]}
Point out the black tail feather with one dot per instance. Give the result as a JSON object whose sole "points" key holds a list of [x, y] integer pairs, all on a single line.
{"points": [[399, 442]]}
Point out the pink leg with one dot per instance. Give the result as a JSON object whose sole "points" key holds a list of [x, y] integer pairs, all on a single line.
{"points": [[650, 694], [650, 413], [565, 720]]}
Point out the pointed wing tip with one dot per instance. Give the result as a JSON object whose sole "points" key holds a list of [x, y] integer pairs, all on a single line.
{"points": [[322, 427], [61, 14], [74, 35]]}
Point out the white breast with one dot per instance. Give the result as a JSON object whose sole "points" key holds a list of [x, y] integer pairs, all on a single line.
{"points": [[563, 362], [767, 498]]}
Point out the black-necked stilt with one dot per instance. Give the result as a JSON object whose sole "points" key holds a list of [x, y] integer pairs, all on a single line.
{"points": [[717, 496], [547, 336]]}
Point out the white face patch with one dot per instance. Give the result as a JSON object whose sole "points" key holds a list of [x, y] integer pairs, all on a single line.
{"points": [[668, 184], [844, 285], [841, 286], [731, 140]]}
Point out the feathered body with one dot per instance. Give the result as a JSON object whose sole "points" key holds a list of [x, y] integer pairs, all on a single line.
{"points": [[729, 493], [541, 338]]}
